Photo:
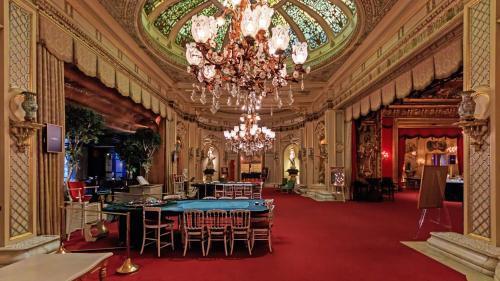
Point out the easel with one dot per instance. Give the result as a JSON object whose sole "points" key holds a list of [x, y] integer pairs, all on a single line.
{"points": [[431, 196]]}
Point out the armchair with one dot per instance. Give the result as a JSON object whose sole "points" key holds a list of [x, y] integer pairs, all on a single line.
{"points": [[78, 204]]}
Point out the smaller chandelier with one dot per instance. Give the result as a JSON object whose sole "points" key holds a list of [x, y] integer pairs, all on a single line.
{"points": [[248, 137]]}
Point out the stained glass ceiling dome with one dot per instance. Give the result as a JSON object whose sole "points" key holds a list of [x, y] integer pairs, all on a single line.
{"points": [[326, 25]]}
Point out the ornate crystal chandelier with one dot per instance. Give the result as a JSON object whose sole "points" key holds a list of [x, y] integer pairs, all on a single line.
{"points": [[251, 65], [248, 137]]}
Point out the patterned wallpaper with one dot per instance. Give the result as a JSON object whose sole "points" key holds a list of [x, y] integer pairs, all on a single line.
{"points": [[479, 160]]}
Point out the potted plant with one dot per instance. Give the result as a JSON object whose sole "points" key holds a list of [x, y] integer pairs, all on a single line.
{"points": [[83, 126], [129, 152], [148, 142]]}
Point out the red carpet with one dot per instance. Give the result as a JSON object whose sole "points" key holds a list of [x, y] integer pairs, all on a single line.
{"points": [[312, 241]]}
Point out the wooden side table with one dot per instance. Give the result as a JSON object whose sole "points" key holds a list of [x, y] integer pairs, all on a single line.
{"points": [[57, 267]]}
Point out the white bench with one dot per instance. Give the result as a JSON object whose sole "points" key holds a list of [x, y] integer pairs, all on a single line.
{"points": [[56, 267]]}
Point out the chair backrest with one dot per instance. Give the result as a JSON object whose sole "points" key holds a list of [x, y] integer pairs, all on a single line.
{"points": [[240, 219], [225, 198], [151, 214], [238, 191], [216, 219], [193, 219], [257, 192], [228, 190], [219, 190], [209, 198], [242, 198], [247, 191], [76, 190], [269, 203]]}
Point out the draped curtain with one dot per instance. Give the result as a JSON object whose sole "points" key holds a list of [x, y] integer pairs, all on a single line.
{"points": [[50, 88], [386, 144], [354, 151]]}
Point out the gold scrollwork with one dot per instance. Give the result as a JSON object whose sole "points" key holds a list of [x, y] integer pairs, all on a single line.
{"points": [[476, 129], [22, 131]]}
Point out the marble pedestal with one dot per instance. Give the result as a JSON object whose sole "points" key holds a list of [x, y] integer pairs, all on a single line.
{"points": [[476, 254], [33, 246]]}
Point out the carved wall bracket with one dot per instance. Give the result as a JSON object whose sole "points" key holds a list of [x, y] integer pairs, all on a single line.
{"points": [[476, 129], [22, 132]]}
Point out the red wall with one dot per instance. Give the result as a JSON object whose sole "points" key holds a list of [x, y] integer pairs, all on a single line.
{"points": [[386, 146]]}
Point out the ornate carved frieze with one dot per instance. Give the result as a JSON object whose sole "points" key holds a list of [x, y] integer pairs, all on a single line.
{"points": [[421, 112]]}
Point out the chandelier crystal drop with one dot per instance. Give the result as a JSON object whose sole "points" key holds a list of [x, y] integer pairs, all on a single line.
{"points": [[251, 65], [249, 137]]}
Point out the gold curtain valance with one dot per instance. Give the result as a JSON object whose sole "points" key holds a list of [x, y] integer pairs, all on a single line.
{"points": [[146, 99], [365, 106], [106, 73], [356, 110], [56, 40], [85, 59], [375, 100], [404, 83], [348, 114], [448, 60], [135, 92], [388, 93], [423, 74]]}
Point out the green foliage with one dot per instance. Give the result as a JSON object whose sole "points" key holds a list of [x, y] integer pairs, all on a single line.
{"points": [[139, 148], [83, 126]]}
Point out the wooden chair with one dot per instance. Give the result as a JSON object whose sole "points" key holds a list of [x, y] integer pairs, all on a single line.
{"points": [[247, 191], [229, 191], [154, 224], [217, 224], [238, 191], [194, 229], [257, 192], [179, 185], [240, 228], [78, 205], [288, 188], [387, 187], [219, 190], [261, 229]]}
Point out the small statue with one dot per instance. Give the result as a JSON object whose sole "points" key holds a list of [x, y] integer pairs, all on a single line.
{"points": [[210, 159], [292, 158]]}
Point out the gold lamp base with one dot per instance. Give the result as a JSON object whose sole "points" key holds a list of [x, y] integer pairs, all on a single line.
{"points": [[61, 249], [127, 267]]}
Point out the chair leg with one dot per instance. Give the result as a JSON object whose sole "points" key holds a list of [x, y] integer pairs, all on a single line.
{"points": [[186, 238], [232, 244], [209, 244], [203, 244], [68, 222], [270, 243], [143, 240], [248, 245], [158, 244], [225, 244], [172, 238]]}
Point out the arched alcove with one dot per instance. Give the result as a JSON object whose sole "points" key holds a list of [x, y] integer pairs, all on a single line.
{"points": [[286, 159]]}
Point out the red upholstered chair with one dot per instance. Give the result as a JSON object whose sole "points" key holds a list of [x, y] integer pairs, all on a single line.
{"points": [[77, 214]]}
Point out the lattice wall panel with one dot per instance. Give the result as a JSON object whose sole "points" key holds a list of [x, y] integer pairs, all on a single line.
{"points": [[20, 47], [19, 191], [480, 43], [479, 192]]}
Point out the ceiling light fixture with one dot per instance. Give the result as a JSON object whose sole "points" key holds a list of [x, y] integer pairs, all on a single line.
{"points": [[251, 65], [248, 137]]}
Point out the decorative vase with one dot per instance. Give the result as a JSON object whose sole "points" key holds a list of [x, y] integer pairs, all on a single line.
{"points": [[30, 106], [467, 106]]}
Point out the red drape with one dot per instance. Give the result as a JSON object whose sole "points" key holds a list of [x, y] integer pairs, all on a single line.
{"points": [[460, 153], [354, 152], [401, 158], [386, 145], [430, 132]]}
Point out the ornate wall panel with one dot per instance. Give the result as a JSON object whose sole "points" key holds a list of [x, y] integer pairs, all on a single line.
{"points": [[476, 74], [19, 191], [479, 191], [480, 43], [20, 47]]}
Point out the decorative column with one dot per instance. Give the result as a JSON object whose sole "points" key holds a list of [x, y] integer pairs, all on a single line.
{"points": [[478, 247], [335, 138]]}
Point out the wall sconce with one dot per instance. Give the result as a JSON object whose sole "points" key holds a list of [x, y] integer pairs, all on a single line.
{"points": [[385, 155]]}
